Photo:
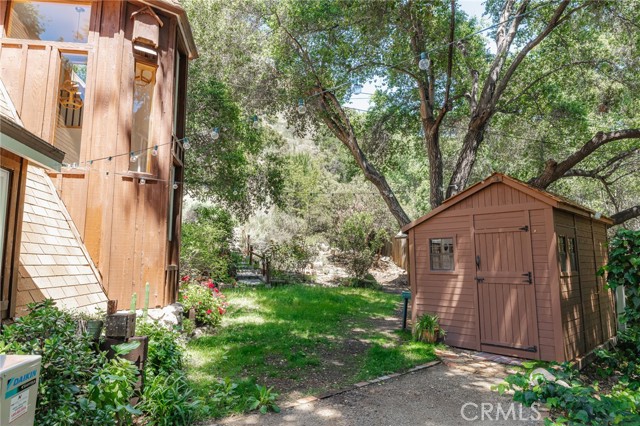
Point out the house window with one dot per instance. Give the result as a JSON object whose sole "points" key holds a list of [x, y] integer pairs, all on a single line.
{"points": [[71, 96], [562, 253], [441, 254], [50, 20], [144, 85], [5, 176]]}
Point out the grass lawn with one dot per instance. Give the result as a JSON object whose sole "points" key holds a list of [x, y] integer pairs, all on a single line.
{"points": [[304, 340]]}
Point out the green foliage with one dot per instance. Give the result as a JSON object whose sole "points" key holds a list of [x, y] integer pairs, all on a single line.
{"points": [[263, 400], [623, 270], [168, 400], [427, 328], [205, 243], [581, 403], [165, 354], [360, 241], [205, 298], [112, 387], [71, 370], [290, 256]]}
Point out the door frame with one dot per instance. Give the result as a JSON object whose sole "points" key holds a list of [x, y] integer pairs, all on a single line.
{"points": [[510, 351]]}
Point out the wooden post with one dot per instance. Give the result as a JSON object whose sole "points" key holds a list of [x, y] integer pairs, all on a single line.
{"points": [[112, 307], [250, 255], [268, 273]]}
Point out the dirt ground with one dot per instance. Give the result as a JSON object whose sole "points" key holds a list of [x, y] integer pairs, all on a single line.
{"points": [[438, 396]]}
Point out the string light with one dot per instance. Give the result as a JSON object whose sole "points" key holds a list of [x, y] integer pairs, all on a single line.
{"points": [[175, 185], [133, 157], [255, 123], [424, 63], [357, 89], [215, 133], [186, 144], [301, 108], [143, 181], [155, 151]]}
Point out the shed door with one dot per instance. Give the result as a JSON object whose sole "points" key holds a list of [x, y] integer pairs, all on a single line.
{"points": [[504, 276]]}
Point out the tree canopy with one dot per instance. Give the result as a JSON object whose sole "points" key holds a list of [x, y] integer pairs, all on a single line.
{"points": [[545, 91]]}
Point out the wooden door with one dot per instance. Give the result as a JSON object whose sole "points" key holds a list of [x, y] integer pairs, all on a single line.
{"points": [[504, 277]]}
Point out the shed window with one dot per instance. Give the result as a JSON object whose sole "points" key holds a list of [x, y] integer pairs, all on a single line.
{"points": [[50, 20], [562, 253], [71, 96], [571, 251], [441, 254]]}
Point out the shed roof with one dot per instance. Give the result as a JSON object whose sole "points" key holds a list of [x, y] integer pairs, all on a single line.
{"points": [[546, 197]]}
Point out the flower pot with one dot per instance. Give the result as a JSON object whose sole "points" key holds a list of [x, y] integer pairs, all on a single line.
{"points": [[430, 336]]}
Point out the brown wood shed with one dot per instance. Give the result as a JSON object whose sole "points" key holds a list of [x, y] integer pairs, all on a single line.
{"points": [[511, 269]]}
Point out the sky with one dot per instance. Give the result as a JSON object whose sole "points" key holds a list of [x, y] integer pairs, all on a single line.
{"points": [[472, 7]]}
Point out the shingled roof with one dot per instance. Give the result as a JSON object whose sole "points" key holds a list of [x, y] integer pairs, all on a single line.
{"points": [[53, 260]]}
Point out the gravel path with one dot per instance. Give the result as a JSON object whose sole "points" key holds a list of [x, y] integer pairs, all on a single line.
{"points": [[431, 397]]}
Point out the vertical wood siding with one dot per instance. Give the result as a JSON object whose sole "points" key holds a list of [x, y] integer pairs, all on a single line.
{"points": [[123, 224]]}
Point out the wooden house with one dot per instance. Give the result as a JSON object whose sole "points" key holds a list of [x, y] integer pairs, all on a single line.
{"points": [[511, 269], [105, 82]]}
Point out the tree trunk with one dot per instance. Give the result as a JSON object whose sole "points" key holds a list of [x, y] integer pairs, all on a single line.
{"points": [[625, 215], [467, 157], [432, 142]]}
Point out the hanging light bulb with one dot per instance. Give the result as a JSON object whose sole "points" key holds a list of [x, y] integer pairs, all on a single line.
{"points": [[133, 157], [301, 108], [424, 63], [175, 185], [186, 143], [143, 181], [255, 123], [154, 152], [215, 133], [357, 89]]}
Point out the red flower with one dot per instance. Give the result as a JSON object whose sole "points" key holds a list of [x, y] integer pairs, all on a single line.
{"points": [[222, 311], [185, 297], [214, 289], [186, 278], [208, 311], [212, 285]]}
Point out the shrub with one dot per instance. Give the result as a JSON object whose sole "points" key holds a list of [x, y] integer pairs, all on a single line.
{"points": [[205, 243], [165, 355], [623, 269], [291, 256], [169, 401], [360, 241], [70, 368], [207, 300]]}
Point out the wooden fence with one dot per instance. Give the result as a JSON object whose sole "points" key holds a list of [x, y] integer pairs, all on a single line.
{"points": [[398, 250]]}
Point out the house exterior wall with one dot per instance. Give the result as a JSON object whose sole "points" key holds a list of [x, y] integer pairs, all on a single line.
{"points": [[454, 297], [123, 224], [17, 167]]}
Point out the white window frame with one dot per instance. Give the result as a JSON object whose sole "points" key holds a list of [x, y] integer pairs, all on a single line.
{"points": [[5, 185]]}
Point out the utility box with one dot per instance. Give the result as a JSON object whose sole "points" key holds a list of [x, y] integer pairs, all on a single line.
{"points": [[19, 375]]}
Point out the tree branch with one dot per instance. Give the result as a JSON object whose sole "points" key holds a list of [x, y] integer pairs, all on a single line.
{"points": [[625, 215], [554, 171]]}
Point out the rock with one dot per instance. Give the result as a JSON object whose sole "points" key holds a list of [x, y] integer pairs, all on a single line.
{"points": [[548, 377]]}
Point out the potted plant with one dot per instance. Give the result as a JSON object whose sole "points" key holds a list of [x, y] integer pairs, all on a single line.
{"points": [[427, 329], [91, 323]]}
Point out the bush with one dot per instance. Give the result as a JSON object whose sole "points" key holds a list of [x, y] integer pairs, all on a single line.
{"points": [[360, 241], [169, 401], [165, 353], [623, 269], [205, 243], [290, 256], [70, 368], [205, 298]]}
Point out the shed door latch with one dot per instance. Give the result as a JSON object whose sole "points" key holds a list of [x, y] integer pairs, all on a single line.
{"points": [[528, 277], [524, 228], [480, 279]]}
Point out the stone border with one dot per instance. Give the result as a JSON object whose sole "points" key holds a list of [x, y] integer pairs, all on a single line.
{"points": [[358, 385]]}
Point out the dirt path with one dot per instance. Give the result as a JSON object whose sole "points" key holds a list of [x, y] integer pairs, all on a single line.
{"points": [[438, 396]]}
